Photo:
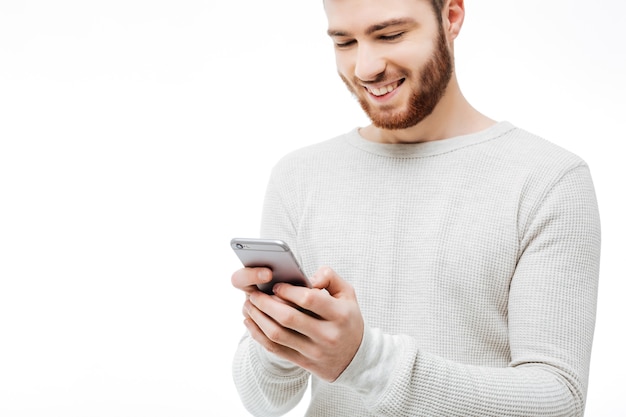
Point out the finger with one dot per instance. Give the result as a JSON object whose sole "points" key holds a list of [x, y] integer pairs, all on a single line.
{"points": [[307, 300], [279, 310], [257, 334], [331, 303], [327, 278], [282, 351], [274, 336], [246, 278]]}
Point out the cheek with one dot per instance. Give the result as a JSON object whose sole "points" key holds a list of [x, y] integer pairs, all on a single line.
{"points": [[345, 63], [414, 56]]}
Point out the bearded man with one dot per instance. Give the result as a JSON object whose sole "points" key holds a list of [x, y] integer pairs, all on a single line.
{"points": [[454, 259]]}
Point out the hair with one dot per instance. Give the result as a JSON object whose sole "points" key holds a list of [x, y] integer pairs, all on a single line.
{"points": [[438, 7]]}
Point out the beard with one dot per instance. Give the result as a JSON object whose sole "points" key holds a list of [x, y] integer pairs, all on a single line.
{"points": [[434, 79]]}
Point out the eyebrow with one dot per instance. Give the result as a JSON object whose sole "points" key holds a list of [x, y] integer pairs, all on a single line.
{"points": [[375, 28]]}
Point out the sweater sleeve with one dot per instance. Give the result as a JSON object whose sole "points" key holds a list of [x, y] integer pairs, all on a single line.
{"points": [[268, 385], [552, 307]]}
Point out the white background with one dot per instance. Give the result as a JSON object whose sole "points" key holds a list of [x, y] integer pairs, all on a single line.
{"points": [[136, 138]]}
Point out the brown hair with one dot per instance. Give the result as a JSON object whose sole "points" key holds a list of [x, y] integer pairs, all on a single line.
{"points": [[438, 7]]}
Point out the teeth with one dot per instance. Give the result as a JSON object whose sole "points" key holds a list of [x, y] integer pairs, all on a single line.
{"points": [[383, 90]]}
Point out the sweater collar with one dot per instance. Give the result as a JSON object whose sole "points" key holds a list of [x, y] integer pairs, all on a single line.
{"points": [[424, 149]]}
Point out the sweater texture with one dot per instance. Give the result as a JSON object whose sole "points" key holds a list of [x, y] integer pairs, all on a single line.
{"points": [[475, 261]]}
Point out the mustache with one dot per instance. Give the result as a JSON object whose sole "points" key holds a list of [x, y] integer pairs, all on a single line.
{"points": [[381, 78]]}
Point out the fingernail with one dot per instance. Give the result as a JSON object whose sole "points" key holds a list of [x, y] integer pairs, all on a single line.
{"points": [[264, 275]]}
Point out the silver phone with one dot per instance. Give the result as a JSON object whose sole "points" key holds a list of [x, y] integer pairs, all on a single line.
{"points": [[273, 254]]}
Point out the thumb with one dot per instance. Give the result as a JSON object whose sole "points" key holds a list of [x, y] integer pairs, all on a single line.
{"points": [[327, 278]]}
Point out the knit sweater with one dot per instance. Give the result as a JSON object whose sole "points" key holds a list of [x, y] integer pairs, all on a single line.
{"points": [[475, 261]]}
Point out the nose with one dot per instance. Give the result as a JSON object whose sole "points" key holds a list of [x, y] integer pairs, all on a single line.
{"points": [[370, 63]]}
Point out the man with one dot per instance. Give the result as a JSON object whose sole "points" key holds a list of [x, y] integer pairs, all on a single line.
{"points": [[454, 258]]}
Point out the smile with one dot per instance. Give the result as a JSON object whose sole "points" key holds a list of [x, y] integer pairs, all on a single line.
{"points": [[381, 91]]}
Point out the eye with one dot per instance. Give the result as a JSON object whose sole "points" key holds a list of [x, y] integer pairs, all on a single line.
{"points": [[392, 37], [344, 44]]}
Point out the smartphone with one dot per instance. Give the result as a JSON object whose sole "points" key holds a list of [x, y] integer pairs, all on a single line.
{"points": [[273, 254]]}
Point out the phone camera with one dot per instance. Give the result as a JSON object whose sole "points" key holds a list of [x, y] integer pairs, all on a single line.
{"points": [[239, 246]]}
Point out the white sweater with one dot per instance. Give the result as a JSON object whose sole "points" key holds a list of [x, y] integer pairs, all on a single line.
{"points": [[475, 261]]}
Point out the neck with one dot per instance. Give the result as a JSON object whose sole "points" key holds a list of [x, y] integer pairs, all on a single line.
{"points": [[453, 116]]}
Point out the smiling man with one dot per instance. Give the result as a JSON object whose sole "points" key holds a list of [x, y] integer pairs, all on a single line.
{"points": [[454, 258], [400, 67], [374, 65]]}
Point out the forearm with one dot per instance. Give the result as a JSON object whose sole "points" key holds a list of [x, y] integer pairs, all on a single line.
{"points": [[395, 378], [268, 386]]}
